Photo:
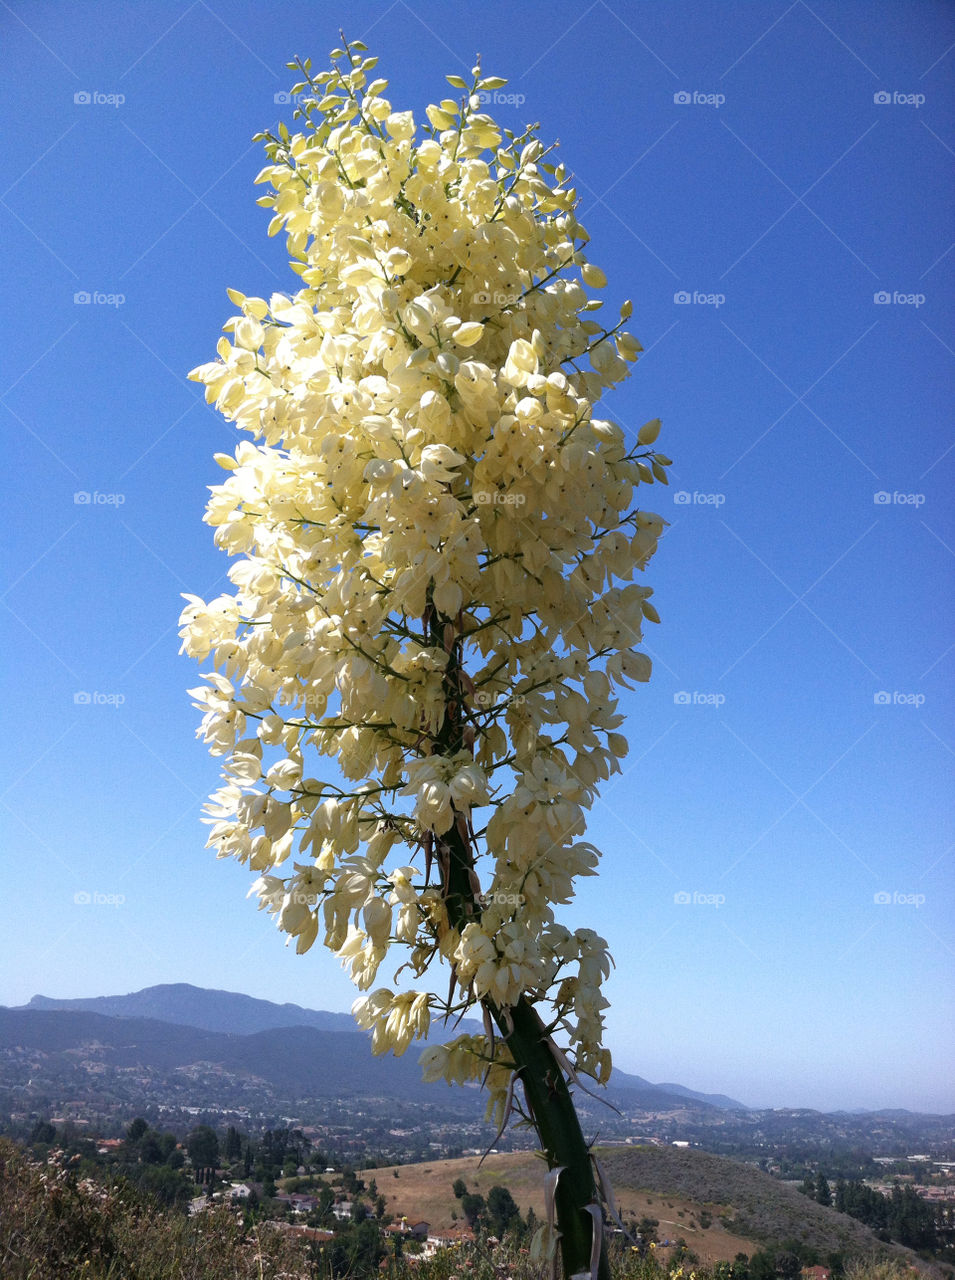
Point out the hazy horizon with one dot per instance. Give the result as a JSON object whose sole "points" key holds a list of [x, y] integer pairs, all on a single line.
{"points": [[629, 1069]]}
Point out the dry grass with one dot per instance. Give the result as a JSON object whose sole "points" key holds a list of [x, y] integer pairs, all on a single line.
{"points": [[423, 1191], [57, 1225]]}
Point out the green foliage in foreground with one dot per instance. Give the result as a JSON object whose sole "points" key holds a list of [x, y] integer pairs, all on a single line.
{"points": [[56, 1223]]}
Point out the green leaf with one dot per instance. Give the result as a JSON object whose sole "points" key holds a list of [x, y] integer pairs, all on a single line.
{"points": [[456, 82], [492, 82]]}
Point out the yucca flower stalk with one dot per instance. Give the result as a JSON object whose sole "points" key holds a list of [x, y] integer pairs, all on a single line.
{"points": [[435, 541]]}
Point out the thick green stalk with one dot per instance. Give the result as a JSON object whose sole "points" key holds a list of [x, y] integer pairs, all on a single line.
{"points": [[546, 1091], [552, 1109]]}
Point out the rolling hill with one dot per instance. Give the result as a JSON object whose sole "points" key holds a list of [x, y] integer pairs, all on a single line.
{"points": [[683, 1189], [295, 1062]]}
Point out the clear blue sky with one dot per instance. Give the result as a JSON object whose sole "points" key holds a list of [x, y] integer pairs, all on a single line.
{"points": [[767, 782]]}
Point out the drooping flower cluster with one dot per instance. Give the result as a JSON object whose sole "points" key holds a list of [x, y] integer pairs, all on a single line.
{"points": [[436, 539]]}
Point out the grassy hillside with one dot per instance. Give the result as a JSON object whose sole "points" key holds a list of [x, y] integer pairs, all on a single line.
{"points": [[424, 1191], [755, 1205], [675, 1185]]}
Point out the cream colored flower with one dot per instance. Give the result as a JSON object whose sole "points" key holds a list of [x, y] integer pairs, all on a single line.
{"points": [[434, 542]]}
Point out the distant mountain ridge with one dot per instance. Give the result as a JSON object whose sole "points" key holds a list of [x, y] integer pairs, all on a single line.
{"points": [[233, 1014], [301, 1062], [714, 1099], [210, 1010], [297, 1063]]}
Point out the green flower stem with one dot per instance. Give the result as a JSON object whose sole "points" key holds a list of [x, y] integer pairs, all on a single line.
{"points": [[550, 1103], [551, 1106]]}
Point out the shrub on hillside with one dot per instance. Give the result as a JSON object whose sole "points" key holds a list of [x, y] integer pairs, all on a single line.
{"points": [[59, 1225]]}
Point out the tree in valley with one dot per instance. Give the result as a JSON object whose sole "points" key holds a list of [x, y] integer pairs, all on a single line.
{"points": [[44, 1132], [502, 1211], [437, 540], [233, 1144], [472, 1206], [203, 1147], [136, 1129]]}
